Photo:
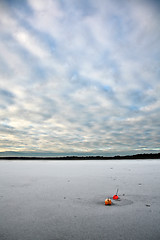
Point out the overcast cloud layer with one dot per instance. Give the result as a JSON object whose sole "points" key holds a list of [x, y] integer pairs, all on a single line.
{"points": [[80, 76]]}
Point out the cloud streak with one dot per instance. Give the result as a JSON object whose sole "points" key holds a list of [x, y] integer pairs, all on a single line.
{"points": [[80, 76]]}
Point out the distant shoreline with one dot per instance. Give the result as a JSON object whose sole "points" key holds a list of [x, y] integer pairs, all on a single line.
{"points": [[137, 156]]}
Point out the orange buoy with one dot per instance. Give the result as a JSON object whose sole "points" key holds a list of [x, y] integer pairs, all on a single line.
{"points": [[108, 201], [115, 197]]}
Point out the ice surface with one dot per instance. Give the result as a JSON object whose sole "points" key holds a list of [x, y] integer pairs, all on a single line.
{"points": [[47, 200]]}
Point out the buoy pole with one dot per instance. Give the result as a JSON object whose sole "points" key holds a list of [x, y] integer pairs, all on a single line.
{"points": [[117, 191]]}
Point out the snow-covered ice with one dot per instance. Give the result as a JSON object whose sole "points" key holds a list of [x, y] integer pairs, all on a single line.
{"points": [[51, 200]]}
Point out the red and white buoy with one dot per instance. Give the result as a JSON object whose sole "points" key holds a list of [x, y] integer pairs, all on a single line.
{"points": [[115, 197]]}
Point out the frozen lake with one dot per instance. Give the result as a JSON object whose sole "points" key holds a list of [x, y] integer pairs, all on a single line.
{"points": [[53, 200]]}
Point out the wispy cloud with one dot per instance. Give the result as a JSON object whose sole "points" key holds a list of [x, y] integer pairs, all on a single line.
{"points": [[79, 76]]}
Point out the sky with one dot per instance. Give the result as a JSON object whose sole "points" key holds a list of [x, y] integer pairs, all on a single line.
{"points": [[79, 77]]}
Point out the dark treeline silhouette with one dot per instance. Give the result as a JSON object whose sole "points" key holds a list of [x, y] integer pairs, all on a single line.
{"points": [[137, 156]]}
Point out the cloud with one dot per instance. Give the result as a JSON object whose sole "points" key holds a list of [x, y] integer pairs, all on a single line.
{"points": [[80, 76], [7, 98]]}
